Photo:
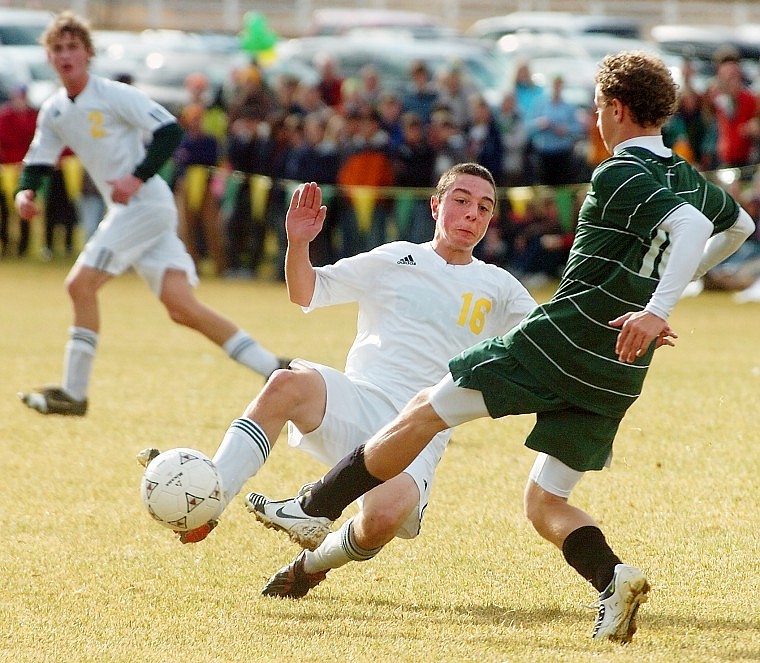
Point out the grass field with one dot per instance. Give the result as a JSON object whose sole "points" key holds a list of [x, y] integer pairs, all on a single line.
{"points": [[87, 576]]}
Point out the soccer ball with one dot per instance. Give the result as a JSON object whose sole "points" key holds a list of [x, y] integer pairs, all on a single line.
{"points": [[181, 489]]}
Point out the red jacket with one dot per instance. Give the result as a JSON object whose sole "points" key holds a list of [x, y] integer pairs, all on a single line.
{"points": [[734, 148], [17, 127]]}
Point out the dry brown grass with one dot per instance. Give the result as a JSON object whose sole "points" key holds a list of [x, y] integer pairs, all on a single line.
{"points": [[87, 576]]}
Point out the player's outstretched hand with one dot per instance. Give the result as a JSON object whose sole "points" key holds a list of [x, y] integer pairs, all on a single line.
{"points": [[306, 214], [637, 331]]}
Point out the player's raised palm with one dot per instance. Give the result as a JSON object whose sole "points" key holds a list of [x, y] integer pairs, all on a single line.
{"points": [[306, 214]]}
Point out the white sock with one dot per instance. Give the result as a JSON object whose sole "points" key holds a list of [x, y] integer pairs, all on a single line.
{"points": [[243, 349], [337, 549], [77, 361], [244, 449]]}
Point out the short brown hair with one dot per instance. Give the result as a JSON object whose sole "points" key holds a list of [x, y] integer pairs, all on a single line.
{"points": [[468, 168], [68, 21], [642, 83]]}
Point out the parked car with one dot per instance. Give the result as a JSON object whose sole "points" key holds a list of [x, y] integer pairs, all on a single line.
{"points": [[337, 21], [555, 22], [528, 45], [575, 58], [392, 55], [28, 66], [22, 27], [164, 80], [159, 61], [701, 42]]}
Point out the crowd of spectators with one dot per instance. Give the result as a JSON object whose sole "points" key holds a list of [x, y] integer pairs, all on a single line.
{"points": [[378, 152]]}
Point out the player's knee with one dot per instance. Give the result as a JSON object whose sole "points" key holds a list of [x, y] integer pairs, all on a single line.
{"points": [[538, 505], [283, 388], [73, 287], [379, 525], [78, 286]]}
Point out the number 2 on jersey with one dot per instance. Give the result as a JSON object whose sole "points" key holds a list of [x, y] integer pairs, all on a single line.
{"points": [[96, 124], [474, 311]]}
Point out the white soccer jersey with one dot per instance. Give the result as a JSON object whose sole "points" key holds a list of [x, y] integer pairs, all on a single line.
{"points": [[416, 312], [104, 126]]}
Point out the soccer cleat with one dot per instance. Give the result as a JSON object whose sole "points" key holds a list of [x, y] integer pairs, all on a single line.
{"points": [[292, 581], [619, 603], [53, 400], [288, 516], [147, 455]]}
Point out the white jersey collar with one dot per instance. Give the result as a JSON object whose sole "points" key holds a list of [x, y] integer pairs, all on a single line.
{"points": [[652, 143]]}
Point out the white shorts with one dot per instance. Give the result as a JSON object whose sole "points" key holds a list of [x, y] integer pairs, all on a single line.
{"points": [[141, 235], [457, 405], [354, 412]]}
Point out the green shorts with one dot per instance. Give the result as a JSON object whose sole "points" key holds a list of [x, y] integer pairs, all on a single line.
{"points": [[578, 437]]}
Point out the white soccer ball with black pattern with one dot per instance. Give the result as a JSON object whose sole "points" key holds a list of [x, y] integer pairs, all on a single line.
{"points": [[181, 489]]}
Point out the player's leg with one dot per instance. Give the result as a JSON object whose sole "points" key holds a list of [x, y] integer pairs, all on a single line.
{"points": [[393, 509], [548, 509], [399, 442], [82, 285], [125, 234], [298, 395], [393, 448], [185, 309], [4, 227], [384, 510], [622, 588]]}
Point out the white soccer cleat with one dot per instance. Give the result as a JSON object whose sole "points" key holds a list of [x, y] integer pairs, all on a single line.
{"points": [[619, 603], [288, 516]]}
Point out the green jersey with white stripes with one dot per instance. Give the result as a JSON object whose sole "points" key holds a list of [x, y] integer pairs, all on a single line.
{"points": [[618, 256]]}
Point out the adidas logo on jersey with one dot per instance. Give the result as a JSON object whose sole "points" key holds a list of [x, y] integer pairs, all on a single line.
{"points": [[406, 260]]}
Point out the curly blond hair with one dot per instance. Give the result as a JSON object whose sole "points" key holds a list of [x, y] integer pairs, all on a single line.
{"points": [[640, 81]]}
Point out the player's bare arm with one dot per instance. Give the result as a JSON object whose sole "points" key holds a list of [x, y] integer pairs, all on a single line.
{"points": [[303, 222]]}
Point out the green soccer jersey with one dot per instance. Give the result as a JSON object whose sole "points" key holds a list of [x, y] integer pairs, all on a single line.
{"points": [[618, 256]]}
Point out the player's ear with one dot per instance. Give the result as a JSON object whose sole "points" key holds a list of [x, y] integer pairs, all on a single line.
{"points": [[434, 202], [618, 109]]}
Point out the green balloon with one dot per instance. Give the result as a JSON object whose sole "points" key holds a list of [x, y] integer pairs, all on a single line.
{"points": [[256, 35]]}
